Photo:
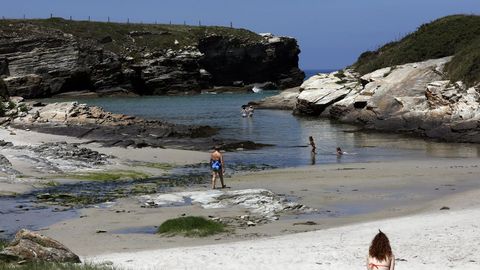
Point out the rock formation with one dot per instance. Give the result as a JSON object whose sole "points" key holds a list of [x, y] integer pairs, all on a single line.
{"points": [[31, 246], [286, 100], [91, 122], [43, 58], [415, 98]]}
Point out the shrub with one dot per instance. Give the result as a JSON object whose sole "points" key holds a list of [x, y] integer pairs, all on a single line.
{"points": [[2, 109], [23, 107], [191, 227], [455, 35], [11, 105]]}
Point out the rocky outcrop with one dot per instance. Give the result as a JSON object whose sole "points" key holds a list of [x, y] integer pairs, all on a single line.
{"points": [[31, 246], [46, 59], [91, 122], [261, 202], [414, 98], [286, 100], [274, 59]]}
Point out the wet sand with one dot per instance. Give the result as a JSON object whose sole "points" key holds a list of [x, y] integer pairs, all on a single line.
{"points": [[343, 194], [347, 197]]}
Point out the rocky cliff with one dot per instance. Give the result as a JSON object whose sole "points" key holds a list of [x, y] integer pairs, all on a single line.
{"points": [[426, 83], [42, 58], [415, 98]]}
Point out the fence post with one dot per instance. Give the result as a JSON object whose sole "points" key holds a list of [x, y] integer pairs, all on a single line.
{"points": [[51, 15], [231, 24], [88, 18], [128, 20], [108, 19]]}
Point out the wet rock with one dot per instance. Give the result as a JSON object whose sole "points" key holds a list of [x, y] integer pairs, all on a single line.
{"points": [[245, 145], [260, 202], [67, 151], [31, 246], [98, 125], [309, 223], [445, 208]]}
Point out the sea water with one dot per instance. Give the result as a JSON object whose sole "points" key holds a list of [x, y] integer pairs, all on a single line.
{"points": [[287, 133]]}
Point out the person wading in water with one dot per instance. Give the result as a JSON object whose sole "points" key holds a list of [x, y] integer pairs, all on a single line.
{"points": [[217, 165]]}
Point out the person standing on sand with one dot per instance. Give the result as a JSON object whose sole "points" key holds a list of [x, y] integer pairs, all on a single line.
{"points": [[217, 165], [380, 256]]}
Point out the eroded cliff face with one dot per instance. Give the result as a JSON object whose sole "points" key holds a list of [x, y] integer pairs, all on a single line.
{"points": [[40, 61], [414, 98], [274, 59]]}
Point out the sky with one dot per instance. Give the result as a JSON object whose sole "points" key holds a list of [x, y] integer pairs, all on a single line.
{"points": [[331, 33]]}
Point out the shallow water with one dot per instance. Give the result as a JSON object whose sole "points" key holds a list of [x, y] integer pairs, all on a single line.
{"points": [[288, 133], [19, 213]]}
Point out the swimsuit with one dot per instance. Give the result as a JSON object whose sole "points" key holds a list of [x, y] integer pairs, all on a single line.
{"points": [[376, 266], [216, 165]]}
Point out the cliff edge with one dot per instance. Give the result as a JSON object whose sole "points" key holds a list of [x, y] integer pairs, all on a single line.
{"points": [[42, 58], [427, 84]]}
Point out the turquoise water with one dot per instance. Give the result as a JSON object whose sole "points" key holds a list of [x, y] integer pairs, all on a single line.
{"points": [[288, 133]]}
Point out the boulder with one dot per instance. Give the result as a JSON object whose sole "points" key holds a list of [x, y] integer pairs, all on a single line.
{"points": [[31, 246]]}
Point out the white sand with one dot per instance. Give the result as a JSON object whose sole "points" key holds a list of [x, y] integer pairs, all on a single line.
{"points": [[441, 240]]}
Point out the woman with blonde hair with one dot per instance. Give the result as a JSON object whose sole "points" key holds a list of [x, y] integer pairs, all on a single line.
{"points": [[380, 256]]}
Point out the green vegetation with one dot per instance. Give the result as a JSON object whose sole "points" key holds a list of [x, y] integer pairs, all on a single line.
{"points": [[465, 65], [108, 176], [457, 35], [11, 105], [120, 37], [161, 166], [51, 184], [3, 243], [191, 227], [23, 107], [53, 266], [2, 109]]}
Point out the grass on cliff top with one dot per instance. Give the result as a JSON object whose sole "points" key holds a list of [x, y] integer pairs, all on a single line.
{"points": [[108, 175], [53, 266], [190, 227], [3, 243], [456, 35], [159, 36]]}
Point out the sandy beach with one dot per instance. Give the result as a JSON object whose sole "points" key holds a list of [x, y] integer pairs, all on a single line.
{"points": [[349, 203]]}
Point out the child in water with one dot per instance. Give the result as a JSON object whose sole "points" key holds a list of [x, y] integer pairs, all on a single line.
{"points": [[244, 111]]}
